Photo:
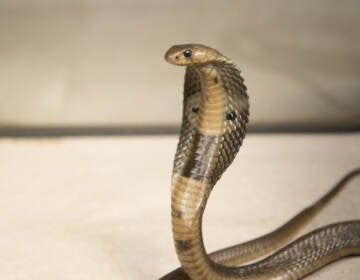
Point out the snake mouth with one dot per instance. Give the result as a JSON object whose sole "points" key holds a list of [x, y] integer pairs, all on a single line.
{"points": [[187, 54], [174, 56], [193, 54]]}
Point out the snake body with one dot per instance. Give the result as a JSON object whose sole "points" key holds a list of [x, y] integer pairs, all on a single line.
{"points": [[215, 116]]}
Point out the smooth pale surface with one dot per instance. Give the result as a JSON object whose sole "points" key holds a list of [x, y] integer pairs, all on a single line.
{"points": [[100, 62], [98, 208]]}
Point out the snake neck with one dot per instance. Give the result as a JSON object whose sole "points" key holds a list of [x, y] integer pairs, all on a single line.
{"points": [[188, 201], [216, 134], [212, 110]]}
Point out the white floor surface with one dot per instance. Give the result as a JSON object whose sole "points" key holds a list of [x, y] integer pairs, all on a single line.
{"points": [[98, 208]]}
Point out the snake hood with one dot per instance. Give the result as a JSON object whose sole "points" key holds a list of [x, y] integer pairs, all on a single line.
{"points": [[215, 112]]}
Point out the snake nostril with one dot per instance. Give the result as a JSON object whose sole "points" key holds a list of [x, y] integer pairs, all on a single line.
{"points": [[176, 57]]}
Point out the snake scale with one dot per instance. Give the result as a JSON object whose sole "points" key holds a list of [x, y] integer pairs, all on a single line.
{"points": [[215, 116]]}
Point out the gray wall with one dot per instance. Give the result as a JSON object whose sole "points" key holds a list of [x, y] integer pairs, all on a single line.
{"points": [[100, 62]]}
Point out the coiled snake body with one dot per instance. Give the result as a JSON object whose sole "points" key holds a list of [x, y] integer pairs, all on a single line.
{"points": [[215, 115]]}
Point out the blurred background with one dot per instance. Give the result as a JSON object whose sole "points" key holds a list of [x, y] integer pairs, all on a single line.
{"points": [[91, 66], [99, 207]]}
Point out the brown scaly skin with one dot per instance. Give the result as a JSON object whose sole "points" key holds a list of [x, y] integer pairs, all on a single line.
{"points": [[214, 122]]}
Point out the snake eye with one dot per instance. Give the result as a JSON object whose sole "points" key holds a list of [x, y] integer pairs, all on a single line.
{"points": [[187, 53]]}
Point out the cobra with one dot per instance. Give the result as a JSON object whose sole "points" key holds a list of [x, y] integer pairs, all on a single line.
{"points": [[215, 116]]}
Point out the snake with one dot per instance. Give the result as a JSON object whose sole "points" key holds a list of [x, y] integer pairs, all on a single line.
{"points": [[214, 124]]}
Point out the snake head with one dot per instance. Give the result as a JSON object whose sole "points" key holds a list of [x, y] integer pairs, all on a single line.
{"points": [[192, 54]]}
